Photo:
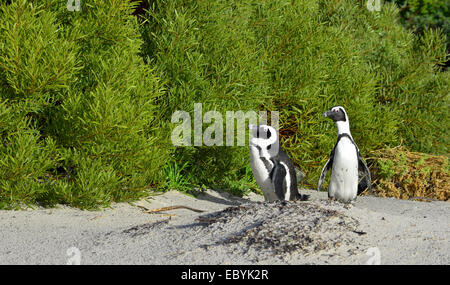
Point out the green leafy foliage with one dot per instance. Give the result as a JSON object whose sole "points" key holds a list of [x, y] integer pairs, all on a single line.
{"points": [[418, 15], [176, 179], [87, 97], [83, 101], [300, 58]]}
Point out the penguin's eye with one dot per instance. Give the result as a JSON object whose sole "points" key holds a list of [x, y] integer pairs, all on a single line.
{"points": [[269, 146], [268, 133]]}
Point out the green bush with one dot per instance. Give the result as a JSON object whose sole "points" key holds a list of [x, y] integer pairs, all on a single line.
{"points": [[300, 58], [78, 113], [87, 97], [418, 15]]}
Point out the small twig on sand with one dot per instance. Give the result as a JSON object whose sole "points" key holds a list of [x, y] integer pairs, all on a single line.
{"points": [[169, 208]]}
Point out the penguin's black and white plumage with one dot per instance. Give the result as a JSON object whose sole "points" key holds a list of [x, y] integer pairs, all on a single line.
{"points": [[345, 162], [271, 166]]}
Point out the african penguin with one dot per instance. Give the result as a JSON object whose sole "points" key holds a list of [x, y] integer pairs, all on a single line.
{"points": [[345, 161], [271, 166]]}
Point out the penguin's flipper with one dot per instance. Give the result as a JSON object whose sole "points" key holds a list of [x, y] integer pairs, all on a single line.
{"points": [[278, 180], [325, 169], [323, 174], [362, 166]]}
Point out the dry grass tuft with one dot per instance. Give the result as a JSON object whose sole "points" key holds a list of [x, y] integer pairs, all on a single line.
{"points": [[402, 174]]}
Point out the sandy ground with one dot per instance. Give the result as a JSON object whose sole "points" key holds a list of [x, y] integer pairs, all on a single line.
{"points": [[231, 230]]}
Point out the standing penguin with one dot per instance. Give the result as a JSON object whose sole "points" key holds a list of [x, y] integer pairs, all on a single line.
{"points": [[271, 166], [345, 161]]}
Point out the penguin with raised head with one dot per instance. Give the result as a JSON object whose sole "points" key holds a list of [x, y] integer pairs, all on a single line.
{"points": [[271, 166], [345, 162]]}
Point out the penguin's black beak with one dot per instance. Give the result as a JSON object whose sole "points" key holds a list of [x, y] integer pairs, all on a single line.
{"points": [[326, 114]]}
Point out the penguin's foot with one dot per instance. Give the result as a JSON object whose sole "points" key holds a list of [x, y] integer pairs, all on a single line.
{"points": [[304, 197], [349, 204]]}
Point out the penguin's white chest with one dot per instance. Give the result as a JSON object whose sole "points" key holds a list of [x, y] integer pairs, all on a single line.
{"points": [[261, 168], [344, 173]]}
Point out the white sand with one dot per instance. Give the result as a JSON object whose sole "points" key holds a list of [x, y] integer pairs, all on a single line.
{"points": [[402, 232]]}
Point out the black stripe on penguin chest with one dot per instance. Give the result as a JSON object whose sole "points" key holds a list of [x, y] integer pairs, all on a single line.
{"points": [[268, 165]]}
